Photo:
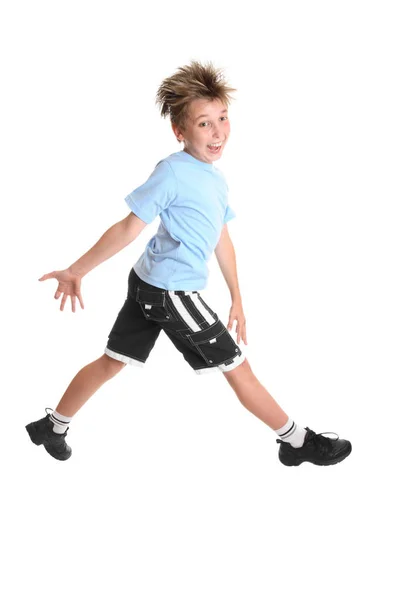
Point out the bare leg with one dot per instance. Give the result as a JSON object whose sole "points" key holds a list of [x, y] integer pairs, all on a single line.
{"points": [[253, 395], [86, 382]]}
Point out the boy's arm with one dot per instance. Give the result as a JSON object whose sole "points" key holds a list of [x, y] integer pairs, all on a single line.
{"points": [[225, 253], [112, 241]]}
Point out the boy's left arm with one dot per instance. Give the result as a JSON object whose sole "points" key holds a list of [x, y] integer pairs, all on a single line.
{"points": [[225, 253]]}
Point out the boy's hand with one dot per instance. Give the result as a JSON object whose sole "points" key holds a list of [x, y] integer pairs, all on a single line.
{"points": [[237, 314], [69, 284]]}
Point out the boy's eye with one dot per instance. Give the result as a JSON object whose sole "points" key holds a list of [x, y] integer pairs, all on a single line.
{"points": [[204, 122]]}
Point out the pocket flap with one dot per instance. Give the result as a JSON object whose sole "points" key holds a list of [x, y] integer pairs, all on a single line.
{"points": [[209, 335], [150, 297]]}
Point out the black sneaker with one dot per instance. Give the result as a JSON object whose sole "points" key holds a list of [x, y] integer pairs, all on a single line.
{"points": [[316, 449], [41, 432]]}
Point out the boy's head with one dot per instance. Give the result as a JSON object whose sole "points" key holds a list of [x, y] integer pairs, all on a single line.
{"points": [[196, 98]]}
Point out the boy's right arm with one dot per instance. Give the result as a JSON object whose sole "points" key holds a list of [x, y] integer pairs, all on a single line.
{"points": [[112, 241]]}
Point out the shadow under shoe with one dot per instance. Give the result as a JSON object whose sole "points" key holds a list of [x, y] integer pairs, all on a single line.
{"points": [[316, 449], [41, 432]]}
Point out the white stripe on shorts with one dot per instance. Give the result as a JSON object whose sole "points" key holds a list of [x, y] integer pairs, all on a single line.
{"points": [[184, 313]]}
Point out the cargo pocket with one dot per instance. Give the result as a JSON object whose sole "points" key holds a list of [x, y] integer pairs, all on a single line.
{"points": [[153, 305], [215, 344]]}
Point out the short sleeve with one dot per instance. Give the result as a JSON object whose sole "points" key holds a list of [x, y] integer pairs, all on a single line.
{"points": [[155, 195], [229, 214]]}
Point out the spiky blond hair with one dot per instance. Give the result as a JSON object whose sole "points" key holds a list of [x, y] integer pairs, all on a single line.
{"points": [[189, 83]]}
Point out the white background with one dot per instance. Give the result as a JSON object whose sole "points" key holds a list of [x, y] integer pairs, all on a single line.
{"points": [[175, 490]]}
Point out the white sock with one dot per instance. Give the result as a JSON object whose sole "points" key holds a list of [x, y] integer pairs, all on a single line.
{"points": [[292, 433], [60, 422]]}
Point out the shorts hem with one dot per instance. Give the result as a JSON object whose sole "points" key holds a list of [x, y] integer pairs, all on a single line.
{"points": [[123, 358], [206, 370], [238, 360]]}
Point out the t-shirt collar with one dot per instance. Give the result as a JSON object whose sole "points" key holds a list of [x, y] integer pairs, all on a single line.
{"points": [[200, 163]]}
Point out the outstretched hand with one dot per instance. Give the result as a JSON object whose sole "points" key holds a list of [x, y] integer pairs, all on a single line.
{"points": [[236, 314], [69, 284]]}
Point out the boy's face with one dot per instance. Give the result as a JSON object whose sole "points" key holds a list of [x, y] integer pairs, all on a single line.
{"points": [[207, 123]]}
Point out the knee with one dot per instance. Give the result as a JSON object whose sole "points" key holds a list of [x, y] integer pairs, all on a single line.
{"points": [[111, 365]]}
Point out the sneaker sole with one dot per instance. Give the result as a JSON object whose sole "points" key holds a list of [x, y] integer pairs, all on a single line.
{"points": [[334, 461], [31, 429]]}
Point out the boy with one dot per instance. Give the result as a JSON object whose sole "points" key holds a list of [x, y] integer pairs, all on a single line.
{"points": [[190, 195]]}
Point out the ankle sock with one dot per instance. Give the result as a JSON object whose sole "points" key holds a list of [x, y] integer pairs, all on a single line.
{"points": [[292, 433], [60, 422]]}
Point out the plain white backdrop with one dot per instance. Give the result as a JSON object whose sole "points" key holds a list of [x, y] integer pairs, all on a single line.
{"points": [[174, 490]]}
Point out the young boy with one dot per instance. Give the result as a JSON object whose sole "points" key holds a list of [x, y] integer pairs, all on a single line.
{"points": [[190, 195]]}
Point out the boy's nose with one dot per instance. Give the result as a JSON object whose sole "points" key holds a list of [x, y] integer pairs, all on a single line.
{"points": [[218, 134]]}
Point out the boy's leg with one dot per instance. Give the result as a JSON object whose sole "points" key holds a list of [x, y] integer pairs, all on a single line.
{"points": [[83, 385], [253, 395], [86, 382], [298, 444]]}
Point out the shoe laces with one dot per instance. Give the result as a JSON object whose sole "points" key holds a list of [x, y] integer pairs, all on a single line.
{"points": [[320, 439]]}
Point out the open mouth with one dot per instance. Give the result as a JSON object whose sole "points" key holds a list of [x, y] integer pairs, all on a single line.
{"points": [[214, 149]]}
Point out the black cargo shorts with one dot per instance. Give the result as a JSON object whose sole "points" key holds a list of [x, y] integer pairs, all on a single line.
{"points": [[191, 325]]}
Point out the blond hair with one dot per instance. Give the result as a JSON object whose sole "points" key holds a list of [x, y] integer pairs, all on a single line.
{"points": [[189, 83]]}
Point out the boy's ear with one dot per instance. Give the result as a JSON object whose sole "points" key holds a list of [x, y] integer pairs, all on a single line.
{"points": [[177, 132]]}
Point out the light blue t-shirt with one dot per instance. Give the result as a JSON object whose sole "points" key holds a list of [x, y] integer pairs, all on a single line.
{"points": [[191, 198]]}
